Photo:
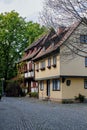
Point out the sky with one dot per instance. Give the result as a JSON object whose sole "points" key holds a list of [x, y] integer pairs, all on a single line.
{"points": [[26, 8]]}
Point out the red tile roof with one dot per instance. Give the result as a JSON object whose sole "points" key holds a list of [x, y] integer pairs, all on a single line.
{"points": [[65, 35]]}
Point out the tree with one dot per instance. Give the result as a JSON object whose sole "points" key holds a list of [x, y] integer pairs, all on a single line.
{"points": [[58, 12], [12, 42], [34, 30], [15, 35]]}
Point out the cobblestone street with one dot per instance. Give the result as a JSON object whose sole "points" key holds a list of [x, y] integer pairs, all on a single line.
{"points": [[30, 114]]}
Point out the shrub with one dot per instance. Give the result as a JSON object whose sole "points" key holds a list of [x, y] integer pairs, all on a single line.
{"points": [[13, 90], [67, 101], [33, 94], [80, 98]]}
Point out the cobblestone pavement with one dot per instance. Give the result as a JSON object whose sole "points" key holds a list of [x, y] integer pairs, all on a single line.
{"points": [[30, 114]]}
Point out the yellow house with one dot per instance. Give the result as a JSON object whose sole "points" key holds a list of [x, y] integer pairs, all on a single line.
{"points": [[61, 68]]}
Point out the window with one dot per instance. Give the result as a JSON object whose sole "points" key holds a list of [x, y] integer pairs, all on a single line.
{"points": [[49, 63], [31, 66], [37, 67], [85, 83], [83, 38], [54, 61], [68, 82], [42, 65], [56, 85], [41, 85], [85, 61]]}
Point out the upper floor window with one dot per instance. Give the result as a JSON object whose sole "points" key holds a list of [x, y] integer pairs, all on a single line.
{"points": [[42, 65], [56, 85], [31, 66], [37, 67], [85, 61], [54, 61], [25, 68], [49, 63], [41, 85], [83, 38]]}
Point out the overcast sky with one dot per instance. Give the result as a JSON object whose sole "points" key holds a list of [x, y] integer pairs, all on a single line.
{"points": [[26, 8]]}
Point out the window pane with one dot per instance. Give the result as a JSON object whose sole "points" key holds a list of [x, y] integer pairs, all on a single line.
{"points": [[83, 38], [49, 62], [43, 64], [56, 85], [85, 83], [85, 61], [54, 60], [41, 85]]}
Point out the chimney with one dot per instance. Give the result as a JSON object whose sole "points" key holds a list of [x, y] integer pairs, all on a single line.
{"points": [[61, 29]]}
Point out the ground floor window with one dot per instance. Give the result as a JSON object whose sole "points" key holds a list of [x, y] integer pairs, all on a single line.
{"points": [[85, 83], [41, 85], [56, 85]]}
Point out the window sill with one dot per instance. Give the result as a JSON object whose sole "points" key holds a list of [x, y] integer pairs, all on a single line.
{"points": [[37, 70], [55, 90], [42, 68], [30, 70], [54, 65], [48, 67]]}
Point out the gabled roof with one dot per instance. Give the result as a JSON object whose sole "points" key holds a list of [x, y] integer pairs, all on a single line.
{"points": [[30, 55], [62, 38], [39, 44], [35, 43]]}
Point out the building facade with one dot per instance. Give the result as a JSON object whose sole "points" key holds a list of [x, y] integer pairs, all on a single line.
{"points": [[61, 68]]}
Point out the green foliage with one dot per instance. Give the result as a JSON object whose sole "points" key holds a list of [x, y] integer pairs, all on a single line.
{"points": [[15, 35], [80, 98], [34, 30], [12, 42], [33, 94]]}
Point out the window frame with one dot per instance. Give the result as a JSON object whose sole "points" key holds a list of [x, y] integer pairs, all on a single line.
{"points": [[49, 63], [37, 67], [41, 85], [54, 61], [85, 84], [42, 65], [85, 61], [83, 39], [56, 85]]}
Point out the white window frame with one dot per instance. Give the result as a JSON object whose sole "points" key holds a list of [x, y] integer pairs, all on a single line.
{"points": [[56, 85], [54, 60], [49, 62], [41, 85], [42, 64]]}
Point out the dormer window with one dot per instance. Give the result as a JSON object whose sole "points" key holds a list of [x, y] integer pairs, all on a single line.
{"points": [[44, 48], [83, 38], [52, 44]]}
